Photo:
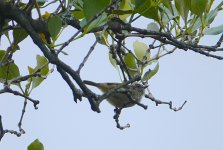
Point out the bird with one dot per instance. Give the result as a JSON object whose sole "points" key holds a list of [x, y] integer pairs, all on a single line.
{"points": [[123, 97]]}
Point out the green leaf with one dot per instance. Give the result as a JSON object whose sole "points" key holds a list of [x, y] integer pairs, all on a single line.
{"points": [[41, 2], [147, 8], [130, 63], [92, 7], [30, 81], [125, 9], [78, 4], [36, 81], [42, 61], [19, 35], [167, 3], [36, 145], [169, 14], [198, 7], [78, 14], [153, 27], [210, 17], [83, 22], [101, 20], [152, 13], [103, 38], [2, 53], [214, 31], [208, 20], [140, 50], [9, 71], [151, 72], [31, 70], [112, 60], [142, 5], [27, 86], [54, 26], [183, 7], [41, 64]]}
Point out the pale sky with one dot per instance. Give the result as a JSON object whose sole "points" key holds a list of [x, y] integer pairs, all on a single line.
{"points": [[60, 123]]}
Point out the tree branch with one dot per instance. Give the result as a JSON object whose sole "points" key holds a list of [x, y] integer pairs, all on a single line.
{"points": [[157, 101], [7, 89], [1, 128], [168, 39], [12, 12], [86, 57], [77, 94]]}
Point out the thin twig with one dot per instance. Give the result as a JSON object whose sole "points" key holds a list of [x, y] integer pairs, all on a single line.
{"points": [[116, 117], [38, 10], [22, 116], [18, 134], [9, 90], [114, 56], [168, 39], [122, 64], [219, 41], [87, 56], [1, 128], [157, 101], [26, 77], [3, 132], [49, 4], [125, 47], [162, 55]]}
